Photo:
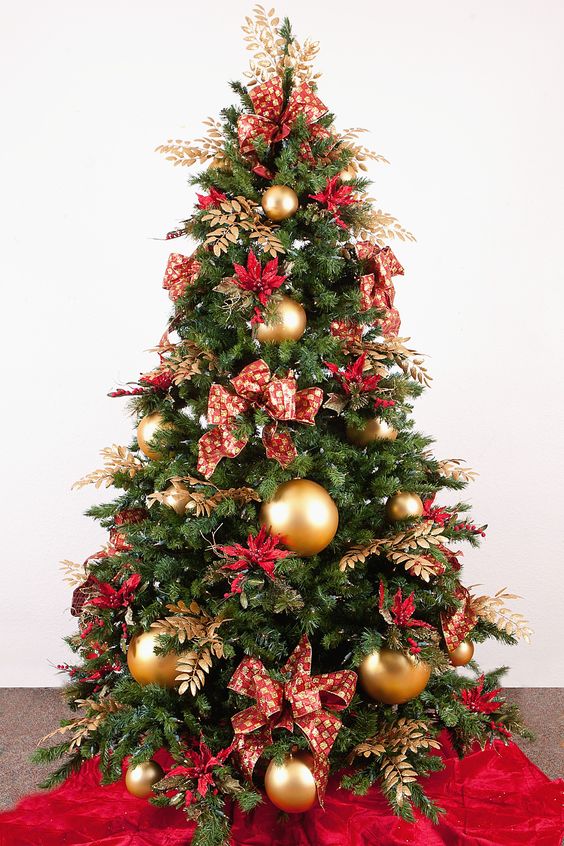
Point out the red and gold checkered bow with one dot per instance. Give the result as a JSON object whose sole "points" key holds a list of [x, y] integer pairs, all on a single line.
{"points": [[274, 122], [254, 387], [458, 623], [299, 701], [180, 272], [377, 287]]}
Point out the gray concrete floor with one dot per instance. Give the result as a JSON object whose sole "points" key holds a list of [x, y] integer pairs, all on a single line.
{"points": [[27, 714]]}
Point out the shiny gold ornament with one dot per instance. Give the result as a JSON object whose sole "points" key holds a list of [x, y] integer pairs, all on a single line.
{"points": [[290, 786], [177, 497], [463, 653], [391, 677], [303, 514], [147, 429], [148, 668], [279, 202], [139, 780], [404, 506], [348, 173], [288, 325], [375, 429]]}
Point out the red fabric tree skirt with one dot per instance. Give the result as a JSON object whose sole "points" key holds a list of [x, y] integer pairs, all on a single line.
{"points": [[492, 798]]}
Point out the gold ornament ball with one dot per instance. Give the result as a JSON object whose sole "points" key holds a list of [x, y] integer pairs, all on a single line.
{"points": [[463, 653], [279, 202], [289, 323], [146, 431], [375, 429], [348, 173], [290, 786], [140, 779], [391, 677], [404, 506], [177, 497], [148, 668], [303, 514]]}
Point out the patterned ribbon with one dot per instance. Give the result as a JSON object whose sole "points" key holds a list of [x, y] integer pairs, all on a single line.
{"points": [[180, 272], [254, 387], [300, 701], [377, 287], [458, 623], [273, 122]]}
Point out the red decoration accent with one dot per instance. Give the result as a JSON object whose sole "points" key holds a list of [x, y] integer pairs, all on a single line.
{"points": [[352, 379], [442, 515], [254, 387], [202, 763], [402, 611], [459, 622], [474, 698], [261, 281], [494, 797], [180, 272], [347, 331], [211, 200], [377, 287], [301, 700], [121, 392], [108, 597], [261, 551], [335, 196], [175, 233]]}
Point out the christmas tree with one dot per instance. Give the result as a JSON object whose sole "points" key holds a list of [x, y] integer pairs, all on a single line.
{"points": [[281, 597]]}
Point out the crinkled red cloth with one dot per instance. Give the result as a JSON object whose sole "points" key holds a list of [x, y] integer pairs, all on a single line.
{"points": [[493, 798]]}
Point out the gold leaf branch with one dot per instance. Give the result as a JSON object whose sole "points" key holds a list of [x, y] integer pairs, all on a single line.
{"points": [[494, 610], [271, 55], [74, 574], [394, 349], [187, 153], [117, 459], [233, 217], [84, 727], [381, 226], [453, 468], [349, 139], [407, 549], [181, 361], [199, 504]]}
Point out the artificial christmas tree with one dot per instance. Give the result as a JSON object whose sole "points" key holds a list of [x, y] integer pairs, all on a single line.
{"points": [[276, 539]]}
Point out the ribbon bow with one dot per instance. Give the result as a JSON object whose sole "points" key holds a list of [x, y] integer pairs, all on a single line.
{"points": [[254, 387], [180, 272], [274, 122], [377, 287], [458, 622], [300, 701]]}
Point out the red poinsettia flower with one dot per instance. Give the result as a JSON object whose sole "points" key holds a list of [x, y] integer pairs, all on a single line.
{"points": [[262, 551], [402, 611], [335, 196], [474, 698], [261, 281], [352, 378], [211, 200], [109, 597], [200, 766]]}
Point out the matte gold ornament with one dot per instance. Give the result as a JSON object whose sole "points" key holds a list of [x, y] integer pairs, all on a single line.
{"points": [[280, 202], [404, 506], [391, 677], [348, 173], [146, 431], [290, 786], [177, 497], [288, 325], [148, 668], [140, 779], [303, 514], [375, 429], [462, 655]]}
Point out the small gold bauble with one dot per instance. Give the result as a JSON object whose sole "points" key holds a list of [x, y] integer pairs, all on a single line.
{"points": [[348, 173], [463, 653], [375, 429], [288, 325], [279, 202], [391, 677], [177, 497], [139, 780], [303, 514], [290, 786], [147, 429], [148, 668], [404, 506]]}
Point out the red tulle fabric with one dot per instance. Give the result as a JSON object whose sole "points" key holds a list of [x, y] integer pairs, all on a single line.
{"points": [[492, 798]]}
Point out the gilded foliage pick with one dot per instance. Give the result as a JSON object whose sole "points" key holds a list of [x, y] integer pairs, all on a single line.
{"points": [[200, 503], [453, 468], [187, 153], [349, 138], [380, 226], [74, 574], [81, 729], [117, 459], [234, 217], [182, 361], [407, 549], [494, 610], [272, 54]]}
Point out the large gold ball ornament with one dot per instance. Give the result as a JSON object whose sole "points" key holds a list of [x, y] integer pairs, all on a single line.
{"points": [[348, 173], [279, 202], [462, 655], [140, 779], [146, 431], [177, 497], [303, 514], [375, 429], [148, 668], [291, 785], [404, 506], [391, 677], [289, 323]]}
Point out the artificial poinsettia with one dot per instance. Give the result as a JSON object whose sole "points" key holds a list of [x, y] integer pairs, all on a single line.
{"points": [[261, 281], [402, 611], [441, 516], [211, 200], [108, 597], [355, 382], [335, 196], [199, 767], [262, 551], [478, 701]]}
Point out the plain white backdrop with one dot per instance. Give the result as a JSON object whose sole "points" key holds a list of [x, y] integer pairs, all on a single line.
{"points": [[464, 98]]}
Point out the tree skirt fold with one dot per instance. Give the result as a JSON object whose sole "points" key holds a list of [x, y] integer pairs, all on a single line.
{"points": [[492, 798]]}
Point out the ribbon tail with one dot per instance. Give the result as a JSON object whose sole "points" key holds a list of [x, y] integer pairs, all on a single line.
{"points": [[214, 445], [278, 445]]}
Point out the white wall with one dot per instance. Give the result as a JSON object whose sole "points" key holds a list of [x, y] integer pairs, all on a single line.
{"points": [[464, 98]]}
